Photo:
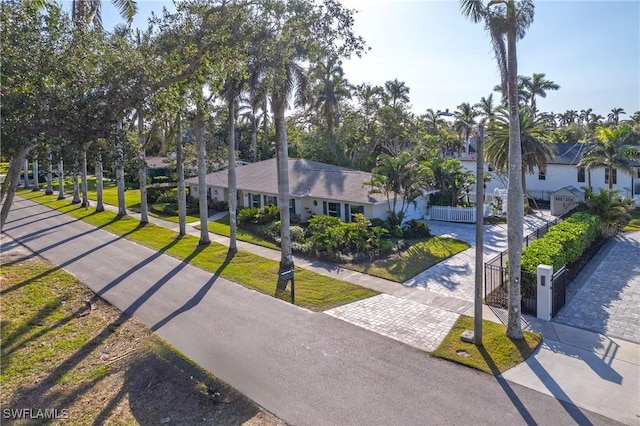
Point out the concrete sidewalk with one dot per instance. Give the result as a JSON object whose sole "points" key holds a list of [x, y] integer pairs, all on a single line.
{"points": [[586, 369]]}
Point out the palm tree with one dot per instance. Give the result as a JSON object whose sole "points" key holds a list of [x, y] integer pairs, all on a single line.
{"points": [[433, 121], [505, 24], [396, 92], [613, 209], [86, 12], [401, 180], [613, 148], [466, 115], [288, 79], [536, 149], [614, 115], [585, 116], [486, 108], [537, 85], [330, 90]]}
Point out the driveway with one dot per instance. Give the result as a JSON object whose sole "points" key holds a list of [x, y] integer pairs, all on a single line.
{"points": [[607, 300]]}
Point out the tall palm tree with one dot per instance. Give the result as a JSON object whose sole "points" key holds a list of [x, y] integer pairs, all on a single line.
{"points": [[396, 92], [536, 148], [330, 90], [614, 115], [613, 148], [538, 85], [585, 116], [288, 79], [506, 22]]}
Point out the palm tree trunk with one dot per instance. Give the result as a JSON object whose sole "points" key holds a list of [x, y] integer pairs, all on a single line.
{"points": [[202, 176], [122, 207], [182, 198], [99, 184], [60, 177], [85, 190], [232, 187], [609, 170], [76, 185], [515, 197], [27, 184], [254, 137], [49, 190], [36, 172], [282, 152], [12, 179], [142, 171]]}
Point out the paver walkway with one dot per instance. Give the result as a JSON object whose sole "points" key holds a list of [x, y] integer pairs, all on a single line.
{"points": [[608, 297]]}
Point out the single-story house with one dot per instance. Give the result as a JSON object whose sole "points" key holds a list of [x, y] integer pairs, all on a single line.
{"points": [[562, 171], [315, 189]]}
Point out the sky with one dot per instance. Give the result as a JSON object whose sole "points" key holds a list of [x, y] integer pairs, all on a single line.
{"points": [[590, 48]]}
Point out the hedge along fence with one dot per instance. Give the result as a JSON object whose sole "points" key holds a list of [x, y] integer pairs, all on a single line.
{"points": [[563, 244]]}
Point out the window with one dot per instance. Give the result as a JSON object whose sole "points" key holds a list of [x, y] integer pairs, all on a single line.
{"points": [[638, 172], [270, 201], [292, 206], [542, 175], [353, 210], [614, 176], [580, 174], [333, 209], [255, 200]]}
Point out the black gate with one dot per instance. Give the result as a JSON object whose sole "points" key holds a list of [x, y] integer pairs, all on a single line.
{"points": [[559, 284]]}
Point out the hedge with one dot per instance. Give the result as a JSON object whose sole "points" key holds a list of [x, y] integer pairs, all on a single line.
{"points": [[564, 243]]}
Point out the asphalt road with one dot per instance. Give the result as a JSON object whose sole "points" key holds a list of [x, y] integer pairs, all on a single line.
{"points": [[305, 367]]}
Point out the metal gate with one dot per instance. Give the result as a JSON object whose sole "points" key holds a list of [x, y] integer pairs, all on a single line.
{"points": [[559, 283]]}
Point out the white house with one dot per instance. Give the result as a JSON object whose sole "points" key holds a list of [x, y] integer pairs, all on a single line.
{"points": [[315, 189], [563, 171]]}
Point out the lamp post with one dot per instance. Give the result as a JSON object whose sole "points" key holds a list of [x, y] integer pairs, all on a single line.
{"points": [[477, 297]]}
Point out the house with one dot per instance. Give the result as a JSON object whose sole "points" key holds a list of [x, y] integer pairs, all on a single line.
{"points": [[315, 189], [565, 199], [562, 171]]}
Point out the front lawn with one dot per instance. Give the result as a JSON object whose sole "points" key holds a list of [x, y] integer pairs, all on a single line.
{"points": [[110, 196], [498, 353], [313, 291], [419, 256]]}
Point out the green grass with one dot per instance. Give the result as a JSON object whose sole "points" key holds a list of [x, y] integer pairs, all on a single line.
{"points": [[634, 224], [498, 353], [313, 291], [110, 196], [419, 256], [221, 227]]}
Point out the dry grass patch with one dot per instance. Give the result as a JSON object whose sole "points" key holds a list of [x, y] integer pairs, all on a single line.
{"points": [[498, 353], [64, 349]]}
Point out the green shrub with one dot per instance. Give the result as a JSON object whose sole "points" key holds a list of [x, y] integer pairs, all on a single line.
{"points": [[169, 196], [155, 191], [297, 234], [564, 243], [415, 229], [247, 215]]}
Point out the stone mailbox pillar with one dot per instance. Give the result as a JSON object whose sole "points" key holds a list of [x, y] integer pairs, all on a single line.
{"points": [[545, 273]]}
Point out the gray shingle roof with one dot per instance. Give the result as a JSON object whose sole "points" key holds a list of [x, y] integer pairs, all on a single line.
{"points": [[306, 179]]}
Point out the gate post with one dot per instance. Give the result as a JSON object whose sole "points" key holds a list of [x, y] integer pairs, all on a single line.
{"points": [[545, 275]]}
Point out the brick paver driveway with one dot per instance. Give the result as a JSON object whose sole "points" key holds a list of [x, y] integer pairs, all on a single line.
{"points": [[608, 299]]}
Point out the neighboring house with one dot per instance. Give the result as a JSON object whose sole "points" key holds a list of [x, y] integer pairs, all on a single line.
{"points": [[315, 189], [158, 166], [563, 171]]}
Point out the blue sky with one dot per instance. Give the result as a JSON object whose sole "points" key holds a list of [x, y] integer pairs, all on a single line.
{"points": [[590, 48]]}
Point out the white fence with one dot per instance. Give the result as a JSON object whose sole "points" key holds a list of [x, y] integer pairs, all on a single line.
{"points": [[456, 214]]}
